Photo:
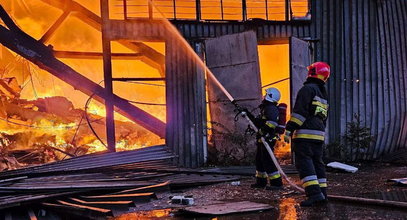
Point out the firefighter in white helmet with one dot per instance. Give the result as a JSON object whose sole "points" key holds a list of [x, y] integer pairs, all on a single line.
{"points": [[267, 122]]}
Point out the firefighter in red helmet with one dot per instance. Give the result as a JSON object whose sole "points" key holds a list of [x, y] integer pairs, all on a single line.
{"points": [[306, 128]]}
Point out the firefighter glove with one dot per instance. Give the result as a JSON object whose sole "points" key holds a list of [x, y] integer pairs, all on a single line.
{"points": [[287, 137]]}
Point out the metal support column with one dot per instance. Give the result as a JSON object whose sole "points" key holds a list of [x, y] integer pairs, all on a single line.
{"points": [[244, 10], [107, 69]]}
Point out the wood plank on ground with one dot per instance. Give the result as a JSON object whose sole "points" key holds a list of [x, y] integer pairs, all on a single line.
{"points": [[112, 205], [71, 186], [135, 197], [165, 186], [76, 210], [227, 208]]}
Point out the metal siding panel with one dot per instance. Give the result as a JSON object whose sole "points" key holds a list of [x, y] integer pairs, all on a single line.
{"points": [[200, 30], [360, 81], [342, 64], [366, 50], [179, 102], [347, 32], [397, 64], [230, 29], [318, 18], [402, 16], [242, 67], [389, 101], [171, 83], [324, 30], [307, 31], [332, 128], [266, 32], [295, 30], [382, 78], [193, 27], [188, 93], [183, 136], [212, 31], [299, 60], [218, 30], [205, 29], [354, 59], [373, 73], [224, 28], [260, 32], [200, 109]]}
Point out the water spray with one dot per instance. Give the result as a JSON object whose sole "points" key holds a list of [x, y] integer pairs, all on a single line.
{"points": [[230, 97]]}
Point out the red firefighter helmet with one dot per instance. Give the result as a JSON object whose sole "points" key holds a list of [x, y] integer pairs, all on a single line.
{"points": [[319, 70]]}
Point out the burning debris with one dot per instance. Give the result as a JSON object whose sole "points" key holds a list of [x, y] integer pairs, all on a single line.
{"points": [[49, 129]]}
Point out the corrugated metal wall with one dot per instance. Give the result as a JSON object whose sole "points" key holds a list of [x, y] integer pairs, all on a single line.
{"points": [[365, 43], [265, 29], [186, 105]]}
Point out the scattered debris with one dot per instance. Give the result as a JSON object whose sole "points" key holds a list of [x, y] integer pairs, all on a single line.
{"points": [[99, 185], [401, 181], [183, 200], [342, 166], [235, 183], [227, 208], [392, 195]]}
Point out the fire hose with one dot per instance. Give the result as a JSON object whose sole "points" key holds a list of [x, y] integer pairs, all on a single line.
{"points": [[233, 101], [253, 126]]}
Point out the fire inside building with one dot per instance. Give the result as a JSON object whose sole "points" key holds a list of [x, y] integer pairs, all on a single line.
{"points": [[132, 86]]}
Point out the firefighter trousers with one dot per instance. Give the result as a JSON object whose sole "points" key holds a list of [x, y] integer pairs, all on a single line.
{"points": [[265, 167], [311, 168]]}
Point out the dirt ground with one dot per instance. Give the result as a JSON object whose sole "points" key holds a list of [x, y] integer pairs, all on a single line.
{"points": [[371, 178]]}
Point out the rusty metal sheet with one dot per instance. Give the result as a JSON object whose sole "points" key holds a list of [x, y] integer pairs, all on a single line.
{"points": [[299, 60], [233, 59]]}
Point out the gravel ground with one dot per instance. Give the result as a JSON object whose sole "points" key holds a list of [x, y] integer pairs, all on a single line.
{"points": [[371, 178]]}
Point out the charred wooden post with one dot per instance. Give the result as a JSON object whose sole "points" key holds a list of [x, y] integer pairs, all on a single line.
{"points": [[107, 69]]}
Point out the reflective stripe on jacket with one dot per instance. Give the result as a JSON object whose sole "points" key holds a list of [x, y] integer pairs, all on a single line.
{"points": [[308, 120]]}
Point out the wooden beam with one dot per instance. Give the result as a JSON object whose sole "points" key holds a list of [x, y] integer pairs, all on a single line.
{"points": [[151, 56], [55, 26], [42, 56], [135, 197], [138, 79], [140, 29], [78, 210], [112, 205], [96, 55]]}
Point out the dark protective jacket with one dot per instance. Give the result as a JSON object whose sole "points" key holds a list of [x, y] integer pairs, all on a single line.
{"points": [[308, 119], [268, 118]]}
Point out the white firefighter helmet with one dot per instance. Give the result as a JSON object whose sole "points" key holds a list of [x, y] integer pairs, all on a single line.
{"points": [[272, 95]]}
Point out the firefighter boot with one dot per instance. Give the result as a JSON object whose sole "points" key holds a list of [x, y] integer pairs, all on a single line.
{"points": [[275, 184], [260, 183], [316, 199], [323, 190]]}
